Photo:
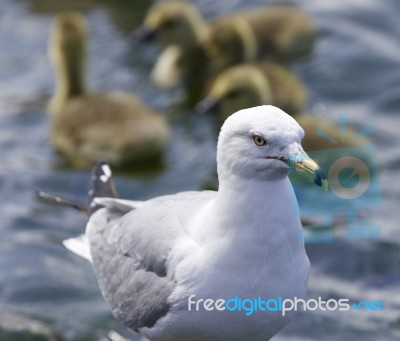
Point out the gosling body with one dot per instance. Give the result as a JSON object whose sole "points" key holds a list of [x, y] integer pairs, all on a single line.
{"points": [[86, 126], [277, 33]]}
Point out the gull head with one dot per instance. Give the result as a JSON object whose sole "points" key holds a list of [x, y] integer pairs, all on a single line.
{"points": [[264, 143]]}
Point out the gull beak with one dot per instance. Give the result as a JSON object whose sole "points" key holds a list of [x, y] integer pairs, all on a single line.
{"points": [[306, 167], [144, 34], [208, 105]]}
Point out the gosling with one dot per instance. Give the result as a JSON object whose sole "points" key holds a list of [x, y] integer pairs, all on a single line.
{"points": [[179, 27], [250, 85], [276, 33], [86, 126], [195, 48], [242, 85]]}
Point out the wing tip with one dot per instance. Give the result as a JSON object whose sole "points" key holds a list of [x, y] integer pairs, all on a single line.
{"points": [[80, 246]]}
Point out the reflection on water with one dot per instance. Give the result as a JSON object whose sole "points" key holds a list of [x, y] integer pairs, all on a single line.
{"points": [[354, 71]]}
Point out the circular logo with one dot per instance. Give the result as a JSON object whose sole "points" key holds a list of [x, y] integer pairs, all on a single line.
{"points": [[360, 170]]}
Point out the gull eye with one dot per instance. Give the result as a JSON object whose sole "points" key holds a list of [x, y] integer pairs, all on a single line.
{"points": [[259, 140]]}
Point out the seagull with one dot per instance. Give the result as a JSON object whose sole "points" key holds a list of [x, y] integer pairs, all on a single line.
{"points": [[158, 261]]}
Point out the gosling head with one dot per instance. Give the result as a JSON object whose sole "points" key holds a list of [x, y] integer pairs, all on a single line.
{"points": [[172, 22], [237, 88], [69, 37]]}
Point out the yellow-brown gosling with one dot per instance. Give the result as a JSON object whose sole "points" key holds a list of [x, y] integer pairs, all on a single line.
{"points": [[248, 85], [87, 126], [278, 32], [179, 27]]}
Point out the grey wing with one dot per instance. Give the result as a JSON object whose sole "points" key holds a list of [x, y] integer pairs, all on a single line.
{"points": [[130, 251]]}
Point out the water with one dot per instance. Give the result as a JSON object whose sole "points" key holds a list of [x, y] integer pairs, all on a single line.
{"points": [[354, 71]]}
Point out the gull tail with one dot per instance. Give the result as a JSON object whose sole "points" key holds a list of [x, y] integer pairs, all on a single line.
{"points": [[101, 185]]}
